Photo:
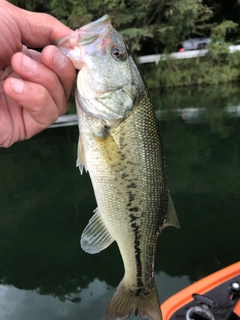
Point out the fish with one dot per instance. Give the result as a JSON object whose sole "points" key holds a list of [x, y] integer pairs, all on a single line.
{"points": [[121, 149]]}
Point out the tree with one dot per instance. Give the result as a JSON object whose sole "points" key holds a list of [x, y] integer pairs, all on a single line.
{"points": [[164, 24]]}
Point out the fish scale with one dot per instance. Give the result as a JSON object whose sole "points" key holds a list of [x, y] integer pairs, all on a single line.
{"points": [[120, 147]]}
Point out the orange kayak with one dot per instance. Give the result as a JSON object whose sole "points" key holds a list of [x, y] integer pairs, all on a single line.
{"points": [[215, 297]]}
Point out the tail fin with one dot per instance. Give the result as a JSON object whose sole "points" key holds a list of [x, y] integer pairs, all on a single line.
{"points": [[144, 301]]}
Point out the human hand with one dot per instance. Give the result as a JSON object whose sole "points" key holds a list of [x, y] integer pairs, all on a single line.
{"points": [[34, 86]]}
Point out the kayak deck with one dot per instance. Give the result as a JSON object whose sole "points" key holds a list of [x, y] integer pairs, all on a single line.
{"points": [[209, 298]]}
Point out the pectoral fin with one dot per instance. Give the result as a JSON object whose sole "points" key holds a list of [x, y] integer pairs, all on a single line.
{"points": [[96, 236], [109, 149], [171, 217]]}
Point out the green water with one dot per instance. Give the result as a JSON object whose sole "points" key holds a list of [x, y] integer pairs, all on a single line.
{"points": [[45, 204]]}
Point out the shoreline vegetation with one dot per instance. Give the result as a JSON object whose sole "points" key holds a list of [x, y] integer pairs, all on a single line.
{"points": [[209, 70], [218, 66]]}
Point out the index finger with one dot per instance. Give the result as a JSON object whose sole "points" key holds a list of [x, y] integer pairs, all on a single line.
{"points": [[54, 59]]}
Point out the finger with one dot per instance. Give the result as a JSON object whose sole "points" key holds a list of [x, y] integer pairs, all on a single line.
{"points": [[37, 29], [36, 72], [35, 55], [39, 109], [54, 59]]}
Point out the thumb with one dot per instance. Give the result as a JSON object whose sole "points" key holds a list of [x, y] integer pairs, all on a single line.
{"points": [[37, 29]]}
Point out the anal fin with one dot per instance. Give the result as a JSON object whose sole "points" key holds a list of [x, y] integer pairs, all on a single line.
{"points": [[95, 236]]}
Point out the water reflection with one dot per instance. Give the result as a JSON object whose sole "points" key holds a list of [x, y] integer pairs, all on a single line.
{"points": [[45, 205], [29, 304]]}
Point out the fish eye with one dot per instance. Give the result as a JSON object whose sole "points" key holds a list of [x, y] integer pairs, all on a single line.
{"points": [[119, 53]]}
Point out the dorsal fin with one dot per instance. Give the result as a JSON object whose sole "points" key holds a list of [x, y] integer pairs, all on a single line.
{"points": [[171, 217]]}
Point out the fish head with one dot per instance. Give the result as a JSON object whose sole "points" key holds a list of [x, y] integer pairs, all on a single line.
{"points": [[109, 83]]}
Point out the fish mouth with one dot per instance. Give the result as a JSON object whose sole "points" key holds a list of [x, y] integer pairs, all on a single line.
{"points": [[90, 32], [86, 34], [97, 26], [74, 45]]}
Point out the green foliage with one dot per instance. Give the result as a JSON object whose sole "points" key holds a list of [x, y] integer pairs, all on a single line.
{"points": [[218, 48], [28, 4], [32, 5], [220, 31], [182, 19], [133, 18]]}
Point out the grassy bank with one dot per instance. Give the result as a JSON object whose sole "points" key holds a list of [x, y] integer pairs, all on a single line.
{"points": [[218, 66]]}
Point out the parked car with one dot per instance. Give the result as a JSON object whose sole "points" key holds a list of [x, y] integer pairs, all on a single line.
{"points": [[195, 44]]}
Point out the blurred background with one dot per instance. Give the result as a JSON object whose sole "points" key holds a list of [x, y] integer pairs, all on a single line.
{"points": [[45, 203]]}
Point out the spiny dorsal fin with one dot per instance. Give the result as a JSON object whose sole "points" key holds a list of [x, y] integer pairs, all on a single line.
{"points": [[171, 217], [95, 236]]}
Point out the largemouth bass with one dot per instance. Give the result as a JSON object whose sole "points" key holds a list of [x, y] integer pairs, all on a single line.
{"points": [[120, 147]]}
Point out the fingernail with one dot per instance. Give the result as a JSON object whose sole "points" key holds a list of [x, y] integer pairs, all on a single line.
{"points": [[59, 59], [28, 64], [17, 85]]}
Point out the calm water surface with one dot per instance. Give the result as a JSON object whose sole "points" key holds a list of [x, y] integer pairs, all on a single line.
{"points": [[45, 204]]}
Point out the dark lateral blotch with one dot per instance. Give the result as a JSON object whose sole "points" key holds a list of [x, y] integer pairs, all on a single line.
{"points": [[132, 216], [131, 185], [134, 209], [124, 175]]}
